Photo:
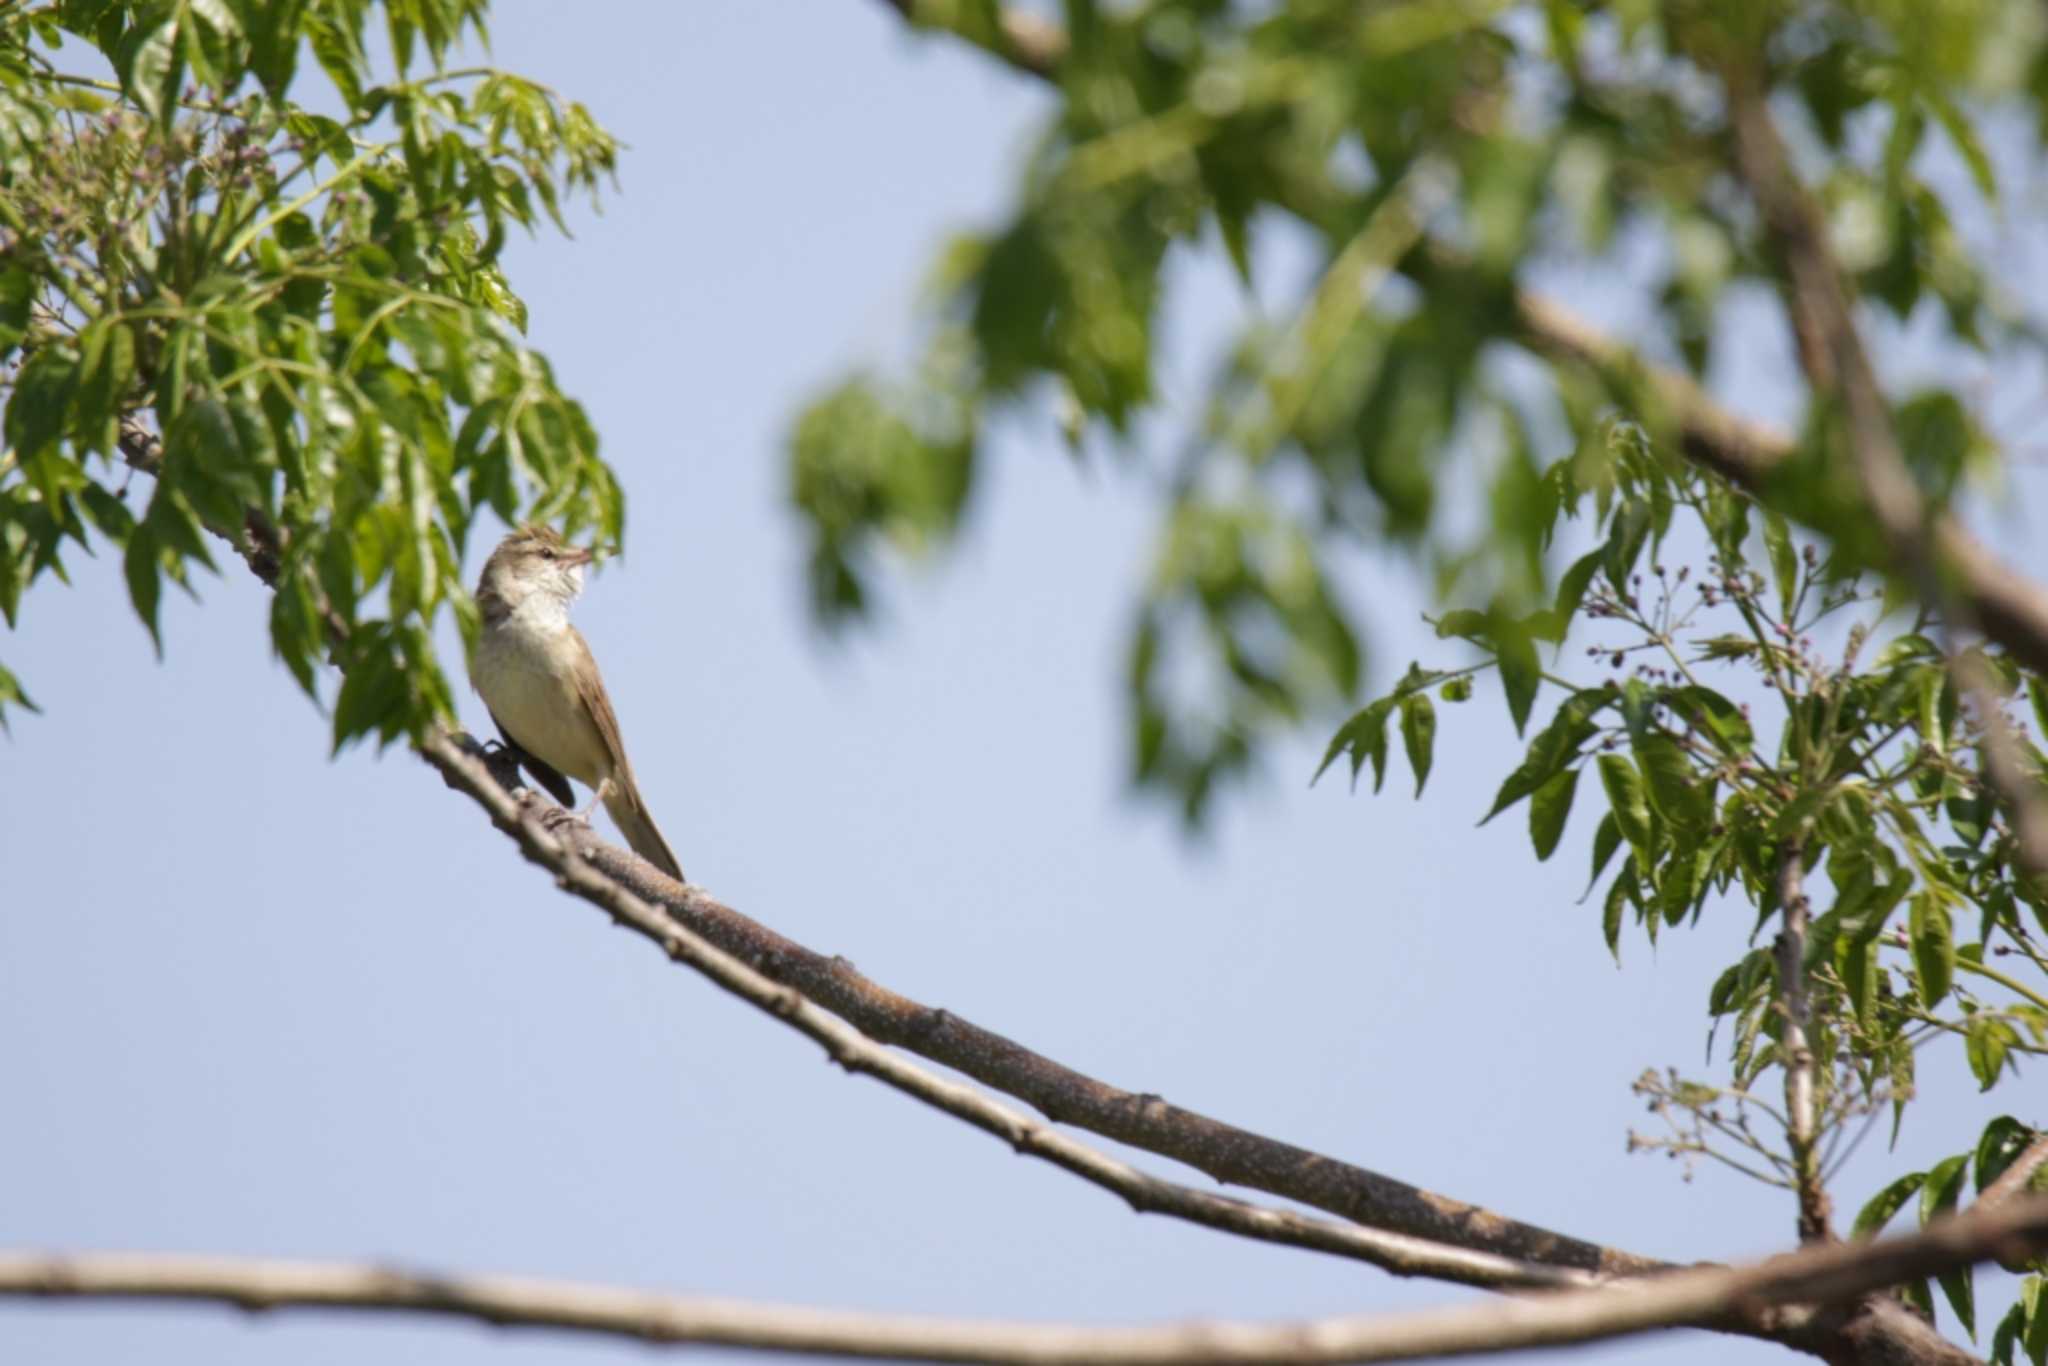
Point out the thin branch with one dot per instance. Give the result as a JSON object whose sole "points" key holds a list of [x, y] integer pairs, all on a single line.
{"points": [[1797, 1049], [2020, 1176], [1705, 1297], [2017, 1176], [2005, 766], [577, 871]]}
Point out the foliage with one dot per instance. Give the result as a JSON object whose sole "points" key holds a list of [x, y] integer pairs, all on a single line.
{"points": [[2024, 1328], [1431, 158], [306, 304], [1723, 737]]}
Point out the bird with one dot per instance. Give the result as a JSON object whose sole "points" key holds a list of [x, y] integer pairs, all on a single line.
{"points": [[541, 684]]}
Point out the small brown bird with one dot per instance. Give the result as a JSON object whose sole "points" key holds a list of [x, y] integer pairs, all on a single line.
{"points": [[536, 674]]}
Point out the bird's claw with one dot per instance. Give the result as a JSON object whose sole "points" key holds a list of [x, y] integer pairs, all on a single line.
{"points": [[553, 817]]}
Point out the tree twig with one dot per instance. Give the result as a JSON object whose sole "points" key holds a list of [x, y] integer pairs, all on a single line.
{"points": [[1796, 1047]]}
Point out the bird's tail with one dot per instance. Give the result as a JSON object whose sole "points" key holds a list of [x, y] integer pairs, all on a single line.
{"points": [[629, 813]]}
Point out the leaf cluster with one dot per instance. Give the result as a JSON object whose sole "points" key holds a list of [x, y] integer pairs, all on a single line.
{"points": [[291, 323]]}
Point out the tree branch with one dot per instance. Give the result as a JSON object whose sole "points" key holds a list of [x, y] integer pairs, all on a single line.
{"points": [[2005, 764], [591, 869], [1701, 1297], [1062, 1094], [1797, 1049], [2014, 1180]]}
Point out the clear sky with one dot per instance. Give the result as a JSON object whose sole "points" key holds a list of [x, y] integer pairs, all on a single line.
{"points": [[254, 1001]]}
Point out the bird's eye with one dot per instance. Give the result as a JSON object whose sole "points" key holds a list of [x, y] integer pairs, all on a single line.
{"points": [[548, 551]]}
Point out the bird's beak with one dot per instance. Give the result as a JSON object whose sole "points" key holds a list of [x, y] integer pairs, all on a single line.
{"points": [[576, 556]]}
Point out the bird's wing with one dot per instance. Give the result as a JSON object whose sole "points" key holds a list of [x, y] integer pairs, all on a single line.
{"points": [[590, 687], [628, 809], [545, 774]]}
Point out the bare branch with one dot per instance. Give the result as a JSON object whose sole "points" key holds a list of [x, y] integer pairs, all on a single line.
{"points": [[1059, 1092], [579, 869], [1704, 1297]]}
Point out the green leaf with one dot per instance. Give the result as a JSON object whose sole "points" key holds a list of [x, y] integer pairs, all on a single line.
{"points": [[1606, 839], [372, 691], [1548, 809], [1521, 673], [1881, 1207], [106, 372], [1554, 747], [1934, 947], [1987, 1044], [1364, 737], [1457, 689], [1715, 717], [1920, 1297], [2003, 1140], [40, 402], [1418, 735], [17, 288], [1672, 789], [1856, 959], [1964, 135], [1571, 588], [11, 693], [1944, 1187], [1957, 1288], [143, 570], [1906, 649], [1784, 560], [151, 64], [1617, 898], [1630, 808], [1930, 681]]}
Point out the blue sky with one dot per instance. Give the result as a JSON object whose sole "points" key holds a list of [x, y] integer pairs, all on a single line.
{"points": [[260, 1002]]}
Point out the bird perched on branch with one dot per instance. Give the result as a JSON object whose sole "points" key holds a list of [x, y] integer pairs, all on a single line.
{"points": [[537, 676]]}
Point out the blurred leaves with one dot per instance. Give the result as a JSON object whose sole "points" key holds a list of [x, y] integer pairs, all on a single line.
{"points": [[1426, 155]]}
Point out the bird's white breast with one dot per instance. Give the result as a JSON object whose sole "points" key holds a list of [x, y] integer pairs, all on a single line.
{"points": [[525, 672]]}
